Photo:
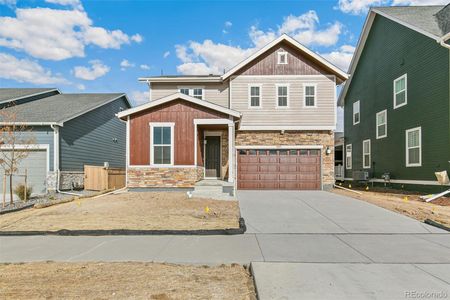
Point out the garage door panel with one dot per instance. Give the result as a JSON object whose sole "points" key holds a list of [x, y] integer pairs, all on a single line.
{"points": [[279, 169]]}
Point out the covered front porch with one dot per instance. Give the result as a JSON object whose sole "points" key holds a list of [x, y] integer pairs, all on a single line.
{"points": [[214, 148]]}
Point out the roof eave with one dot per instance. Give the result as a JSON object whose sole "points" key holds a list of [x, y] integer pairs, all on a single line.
{"points": [[180, 79]]}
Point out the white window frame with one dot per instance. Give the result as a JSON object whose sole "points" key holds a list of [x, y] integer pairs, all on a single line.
{"points": [[385, 124], [315, 94], [172, 144], [287, 94], [348, 159], [280, 54], [404, 76], [250, 95], [419, 164], [367, 153], [359, 112], [191, 90]]}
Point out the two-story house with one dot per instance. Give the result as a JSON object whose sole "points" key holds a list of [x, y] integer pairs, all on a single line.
{"points": [[397, 100], [267, 123]]}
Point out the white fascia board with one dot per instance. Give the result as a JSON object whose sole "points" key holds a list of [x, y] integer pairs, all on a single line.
{"points": [[212, 122], [31, 123], [180, 79]]}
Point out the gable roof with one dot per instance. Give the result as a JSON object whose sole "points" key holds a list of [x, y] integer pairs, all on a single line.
{"points": [[57, 109], [178, 96], [422, 19], [341, 75], [286, 38], [13, 94]]}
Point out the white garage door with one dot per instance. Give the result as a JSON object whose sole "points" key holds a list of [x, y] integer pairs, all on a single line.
{"points": [[36, 165]]}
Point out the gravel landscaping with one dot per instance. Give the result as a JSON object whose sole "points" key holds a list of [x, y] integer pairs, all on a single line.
{"points": [[130, 280], [129, 211]]}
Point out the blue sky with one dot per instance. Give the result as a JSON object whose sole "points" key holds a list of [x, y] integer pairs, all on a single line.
{"points": [[104, 46]]}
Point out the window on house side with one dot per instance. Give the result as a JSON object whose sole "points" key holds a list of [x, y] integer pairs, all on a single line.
{"points": [[162, 144], [282, 58], [348, 157], [414, 147], [400, 91], [310, 95], [255, 96], [356, 113], [193, 92], [381, 124], [366, 154], [282, 95]]}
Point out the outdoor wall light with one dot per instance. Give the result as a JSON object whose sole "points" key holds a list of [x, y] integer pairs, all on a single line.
{"points": [[328, 151]]}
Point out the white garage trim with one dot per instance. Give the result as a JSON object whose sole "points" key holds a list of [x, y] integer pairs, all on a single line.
{"points": [[45, 147]]}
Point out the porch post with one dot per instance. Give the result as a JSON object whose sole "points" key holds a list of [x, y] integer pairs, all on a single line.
{"points": [[231, 152]]}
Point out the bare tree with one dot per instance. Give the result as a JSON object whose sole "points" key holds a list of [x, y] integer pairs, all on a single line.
{"points": [[16, 141]]}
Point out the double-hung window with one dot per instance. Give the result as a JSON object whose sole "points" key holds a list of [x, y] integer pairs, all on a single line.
{"points": [[400, 91], [348, 156], [414, 147], [254, 94], [366, 154], [282, 95], [356, 114], [161, 148], [381, 124], [309, 92], [193, 92]]}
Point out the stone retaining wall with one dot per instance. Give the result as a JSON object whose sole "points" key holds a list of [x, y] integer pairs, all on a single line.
{"points": [[180, 177]]}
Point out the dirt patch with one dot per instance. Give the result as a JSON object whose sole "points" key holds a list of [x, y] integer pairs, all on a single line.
{"points": [[132, 211], [407, 204], [131, 280]]}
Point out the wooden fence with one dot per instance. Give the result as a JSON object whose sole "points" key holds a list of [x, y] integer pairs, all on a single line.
{"points": [[99, 178]]}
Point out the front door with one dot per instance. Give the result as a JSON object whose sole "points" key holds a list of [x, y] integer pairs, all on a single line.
{"points": [[212, 156]]}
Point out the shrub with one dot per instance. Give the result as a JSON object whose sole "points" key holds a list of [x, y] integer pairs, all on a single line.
{"points": [[19, 190]]}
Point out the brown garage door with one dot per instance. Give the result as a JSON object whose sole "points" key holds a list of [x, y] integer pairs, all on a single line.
{"points": [[279, 169]]}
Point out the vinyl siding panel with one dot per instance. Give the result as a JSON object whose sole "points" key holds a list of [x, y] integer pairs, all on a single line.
{"points": [[88, 139], [296, 114], [391, 51], [213, 92]]}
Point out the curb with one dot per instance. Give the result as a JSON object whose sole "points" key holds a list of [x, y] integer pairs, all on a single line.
{"points": [[436, 224], [65, 232], [16, 209], [254, 280]]}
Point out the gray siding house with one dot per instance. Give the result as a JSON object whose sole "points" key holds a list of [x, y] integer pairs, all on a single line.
{"points": [[68, 131]]}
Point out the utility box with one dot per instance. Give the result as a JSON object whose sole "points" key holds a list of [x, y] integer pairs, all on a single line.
{"points": [[360, 175]]}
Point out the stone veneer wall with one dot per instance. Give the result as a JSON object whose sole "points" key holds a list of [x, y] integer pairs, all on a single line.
{"points": [[179, 177], [295, 138], [69, 180]]}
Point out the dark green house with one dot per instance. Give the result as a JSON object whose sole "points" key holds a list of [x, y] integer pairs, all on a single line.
{"points": [[397, 100]]}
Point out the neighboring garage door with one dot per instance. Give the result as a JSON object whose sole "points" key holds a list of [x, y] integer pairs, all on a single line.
{"points": [[296, 169], [36, 165]]}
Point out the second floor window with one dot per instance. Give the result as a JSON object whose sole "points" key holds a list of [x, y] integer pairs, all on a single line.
{"points": [[282, 95], [400, 91], [356, 114], [382, 124], [282, 58], [193, 92], [255, 95], [310, 95]]}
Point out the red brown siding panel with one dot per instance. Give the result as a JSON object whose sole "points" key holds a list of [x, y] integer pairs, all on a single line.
{"points": [[179, 112]]}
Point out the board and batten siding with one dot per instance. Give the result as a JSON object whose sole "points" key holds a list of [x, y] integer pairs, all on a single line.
{"points": [[91, 138], [391, 51], [293, 115], [213, 92]]}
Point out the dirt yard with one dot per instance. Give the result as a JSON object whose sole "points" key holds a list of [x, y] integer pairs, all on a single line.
{"points": [[407, 204], [130, 280], [133, 211]]}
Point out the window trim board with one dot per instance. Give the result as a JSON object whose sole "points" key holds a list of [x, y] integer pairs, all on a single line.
{"points": [[385, 124], [172, 143], [277, 95], [250, 85], [368, 153], [419, 164], [305, 85], [394, 94]]}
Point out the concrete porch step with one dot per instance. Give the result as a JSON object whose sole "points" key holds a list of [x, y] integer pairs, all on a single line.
{"points": [[213, 195], [216, 189]]}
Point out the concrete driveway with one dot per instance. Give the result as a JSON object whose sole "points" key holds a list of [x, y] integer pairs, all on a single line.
{"points": [[311, 245], [319, 245]]}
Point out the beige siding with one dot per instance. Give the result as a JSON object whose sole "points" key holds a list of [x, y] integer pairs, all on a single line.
{"points": [[213, 92], [296, 114]]}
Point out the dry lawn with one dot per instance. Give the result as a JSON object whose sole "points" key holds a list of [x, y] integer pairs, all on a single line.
{"points": [[131, 280], [407, 204], [134, 211]]}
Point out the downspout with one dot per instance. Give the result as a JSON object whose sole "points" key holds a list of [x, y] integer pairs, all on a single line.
{"points": [[56, 160]]}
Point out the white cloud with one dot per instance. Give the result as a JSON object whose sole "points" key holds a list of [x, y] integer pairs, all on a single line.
{"points": [[73, 3], [144, 67], [419, 2], [166, 54], [140, 97], [26, 70], [209, 57], [126, 64], [137, 38], [81, 87], [56, 34], [96, 70], [358, 7], [341, 57], [228, 24]]}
